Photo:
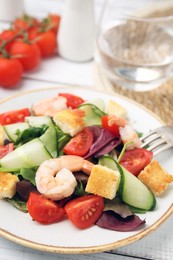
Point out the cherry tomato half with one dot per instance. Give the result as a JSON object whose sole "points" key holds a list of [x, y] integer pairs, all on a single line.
{"points": [[44, 210], [114, 129], [28, 54], [10, 72], [73, 101], [135, 160], [14, 116], [84, 211], [5, 149], [79, 144]]}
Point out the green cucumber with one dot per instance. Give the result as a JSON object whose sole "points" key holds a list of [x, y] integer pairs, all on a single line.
{"points": [[93, 114], [11, 129], [37, 121], [28, 155], [131, 190], [49, 139], [96, 102]]}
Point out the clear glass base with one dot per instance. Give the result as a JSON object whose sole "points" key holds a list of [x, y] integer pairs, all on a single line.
{"points": [[126, 78]]}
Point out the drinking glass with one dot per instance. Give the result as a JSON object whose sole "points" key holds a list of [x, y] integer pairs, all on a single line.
{"points": [[134, 42]]}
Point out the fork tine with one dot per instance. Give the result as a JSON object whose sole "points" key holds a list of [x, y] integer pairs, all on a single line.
{"points": [[145, 136], [158, 140], [163, 148], [150, 138], [158, 143]]}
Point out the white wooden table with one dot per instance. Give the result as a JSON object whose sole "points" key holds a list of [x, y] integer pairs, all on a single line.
{"points": [[157, 245]]}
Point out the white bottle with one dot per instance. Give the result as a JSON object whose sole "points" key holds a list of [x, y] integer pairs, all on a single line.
{"points": [[77, 29], [11, 9]]}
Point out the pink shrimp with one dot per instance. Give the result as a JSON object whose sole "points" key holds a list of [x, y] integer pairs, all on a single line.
{"points": [[115, 120], [54, 177], [50, 106], [128, 134]]}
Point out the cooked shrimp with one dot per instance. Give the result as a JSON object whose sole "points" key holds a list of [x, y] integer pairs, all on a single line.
{"points": [[50, 106], [54, 177], [113, 119], [128, 134]]}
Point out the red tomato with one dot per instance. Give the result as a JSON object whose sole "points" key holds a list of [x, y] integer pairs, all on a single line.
{"points": [[46, 41], [84, 211], [79, 144], [11, 72], [28, 54], [54, 22], [44, 210], [114, 129], [25, 23], [73, 101], [14, 116], [135, 160], [5, 149], [7, 35]]}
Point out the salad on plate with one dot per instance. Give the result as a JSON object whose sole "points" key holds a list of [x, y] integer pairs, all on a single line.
{"points": [[66, 157]]}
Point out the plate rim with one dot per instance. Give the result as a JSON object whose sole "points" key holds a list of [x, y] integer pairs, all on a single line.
{"points": [[89, 249]]}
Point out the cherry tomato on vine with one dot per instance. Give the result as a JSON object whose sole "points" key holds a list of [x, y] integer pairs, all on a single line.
{"points": [[135, 160], [44, 210], [10, 72], [28, 54], [53, 22], [25, 23], [8, 35], [46, 41]]}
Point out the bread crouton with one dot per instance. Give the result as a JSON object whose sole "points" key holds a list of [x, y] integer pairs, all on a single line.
{"points": [[8, 183], [155, 177], [116, 109], [69, 122], [103, 182]]}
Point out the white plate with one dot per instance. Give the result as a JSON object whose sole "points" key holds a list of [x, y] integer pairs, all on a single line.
{"points": [[64, 237]]}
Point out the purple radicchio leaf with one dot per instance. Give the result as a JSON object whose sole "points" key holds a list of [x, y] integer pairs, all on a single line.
{"points": [[96, 130], [102, 137], [112, 221], [117, 206], [24, 188], [108, 148]]}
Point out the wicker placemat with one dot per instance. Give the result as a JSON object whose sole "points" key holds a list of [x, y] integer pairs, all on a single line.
{"points": [[159, 100]]}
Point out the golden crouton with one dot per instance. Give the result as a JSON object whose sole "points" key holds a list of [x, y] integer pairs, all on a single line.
{"points": [[116, 109], [155, 177], [8, 183], [103, 182], [69, 122]]}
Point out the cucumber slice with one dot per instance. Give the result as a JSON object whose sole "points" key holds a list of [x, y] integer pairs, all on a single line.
{"points": [[135, 193], [11, 129], [49, 139], [37, 121], [131, 190], [93, 114], [28, 155], [97, 102]]}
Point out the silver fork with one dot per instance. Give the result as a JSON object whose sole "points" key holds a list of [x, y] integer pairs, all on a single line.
{"points": [[158, 140]]}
